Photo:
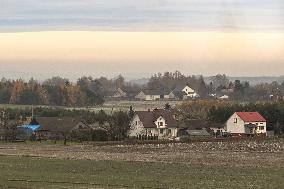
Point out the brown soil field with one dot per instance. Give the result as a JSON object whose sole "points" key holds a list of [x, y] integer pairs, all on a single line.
{"points": [[251, 153]]}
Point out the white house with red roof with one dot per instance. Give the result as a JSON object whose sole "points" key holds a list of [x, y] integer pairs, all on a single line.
{"points": [[246, 123]]}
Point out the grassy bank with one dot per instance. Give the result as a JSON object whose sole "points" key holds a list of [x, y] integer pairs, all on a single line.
{"points": [[28, 172]]}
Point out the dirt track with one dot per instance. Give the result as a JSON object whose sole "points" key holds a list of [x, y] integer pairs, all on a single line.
{"points": [[235, 153]]}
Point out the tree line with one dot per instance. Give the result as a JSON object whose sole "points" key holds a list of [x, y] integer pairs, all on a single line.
{"points": [[58, 91], [116, 128], [89, 91], [218, 112]]}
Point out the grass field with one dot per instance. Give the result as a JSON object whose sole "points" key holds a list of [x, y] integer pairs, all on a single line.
{"points": [[234, 164], [27, 172], [109, 106]]}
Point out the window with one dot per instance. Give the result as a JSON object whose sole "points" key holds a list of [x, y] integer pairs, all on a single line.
{"points": [[261, 128], [136, 122], [160, 123], [235, 120], [169, 131], [161, 131]]}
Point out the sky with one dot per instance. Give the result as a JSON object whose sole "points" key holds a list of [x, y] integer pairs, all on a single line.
{"points": [[40, 38]]}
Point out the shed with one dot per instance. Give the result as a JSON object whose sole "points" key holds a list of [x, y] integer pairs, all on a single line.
{"points": [[198, 133]]}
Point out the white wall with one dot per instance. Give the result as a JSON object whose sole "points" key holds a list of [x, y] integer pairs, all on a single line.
{"points": [[141, 96], [190, 92], [232, 127], [152, 97], [161, 120], [239, 127], [136, 127]]}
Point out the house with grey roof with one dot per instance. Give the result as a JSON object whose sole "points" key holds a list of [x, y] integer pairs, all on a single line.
{"points": [[151, 95], [183, 92], [159, 122], [193, 127], [117, 94]]}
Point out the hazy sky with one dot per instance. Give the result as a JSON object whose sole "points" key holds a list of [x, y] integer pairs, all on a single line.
{"points": [[41, 38]]}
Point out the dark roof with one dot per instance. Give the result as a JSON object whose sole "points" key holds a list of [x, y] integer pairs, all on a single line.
{"points": [[194, 124], [251, 116], [217, 125], [179, 94], [57, 124], [148, 118], [112, 92], [156, 92], [100, 126], [180, 87]]}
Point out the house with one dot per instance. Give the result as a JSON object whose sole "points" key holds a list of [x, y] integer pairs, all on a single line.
{"points": [[218, 129], [151, 95], [118, 93], [159, 122], [191, 93], [246, 123], [182, 93], [58, 127], [191, 124], [224, 97], [177, 95]]}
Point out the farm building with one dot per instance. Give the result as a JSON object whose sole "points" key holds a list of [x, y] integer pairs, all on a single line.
{"points": [[183, 93], [198, 133], [151, 95], [191, 124], [117, 94], [158, 122], [27, 132], [57, 128], [246, 123]]}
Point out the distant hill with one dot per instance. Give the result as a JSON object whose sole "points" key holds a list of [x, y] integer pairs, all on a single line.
{"points": [[257, 80], [251, 80]]}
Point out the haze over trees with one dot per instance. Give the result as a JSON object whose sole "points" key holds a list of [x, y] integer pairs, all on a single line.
{"points": [[89, 91]]}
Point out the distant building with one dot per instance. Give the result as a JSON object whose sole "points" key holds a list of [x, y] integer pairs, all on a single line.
{"points": [[224, 97], [28, 131], [183, 93], [58, 127], [159, 122], [194, 128], [246, 123], [152, 95], [118, 93], [191, 93]]}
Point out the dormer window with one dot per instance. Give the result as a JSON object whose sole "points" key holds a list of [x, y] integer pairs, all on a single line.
{"points": [[161, 123]]}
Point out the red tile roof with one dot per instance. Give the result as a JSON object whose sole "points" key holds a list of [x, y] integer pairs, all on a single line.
{"points": [[251, 117]]}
